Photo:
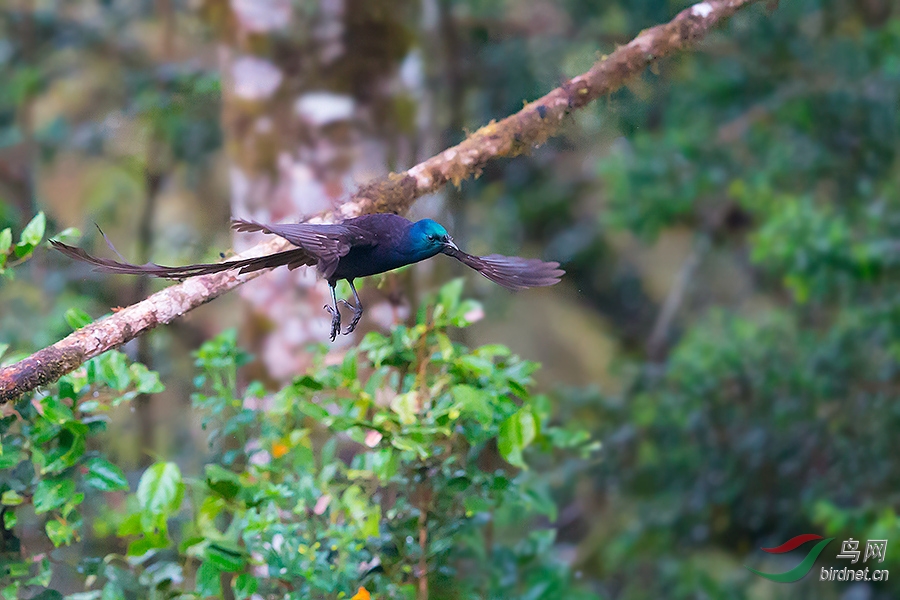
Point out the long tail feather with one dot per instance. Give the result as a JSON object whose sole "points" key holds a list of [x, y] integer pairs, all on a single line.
{"points": [[292, 258], [109, 243], [512, 272]]}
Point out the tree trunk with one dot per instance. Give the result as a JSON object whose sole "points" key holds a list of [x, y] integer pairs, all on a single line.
{"points": [[313, 105]]}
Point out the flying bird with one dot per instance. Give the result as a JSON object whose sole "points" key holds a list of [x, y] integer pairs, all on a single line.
{"points": [[354, 248]]}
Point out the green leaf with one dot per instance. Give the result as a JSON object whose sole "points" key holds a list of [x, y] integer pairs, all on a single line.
{"points": [[529, 426], [11, 498], [407, 444], [10, 458], [34, 231], [60, 532], [185, 544], [17, 569], [226, 557], [43, 576], [208, 583], [492, 350], [9, 520], [112, 591], [477, 366], [150, 541], [468, 312], [77, 318], [308, 382], [515, 434], [130, 525], [5, 240], [568, 438], [104, 476], [362, 510], [140, 547], [52, 493], [245, 585], [69, 234], [5, 243], [473, 402], [145, 380], [448, 296], [222, 481], [476, 504], [373, 341], [43, 432], [349, 367], [405, 405], [385, 464], [72, 444], [55, 411], [445, 345], [313, 410], [114, 370], [160, 489], [542, 502], [163, 572]]}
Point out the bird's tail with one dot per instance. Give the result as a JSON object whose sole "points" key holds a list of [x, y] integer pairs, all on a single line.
{"points": [[512, 272], [293, 258]]}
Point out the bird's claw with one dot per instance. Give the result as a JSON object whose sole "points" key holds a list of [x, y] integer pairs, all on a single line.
{"points": [[336, 318], [335, 321], [357, 315]]}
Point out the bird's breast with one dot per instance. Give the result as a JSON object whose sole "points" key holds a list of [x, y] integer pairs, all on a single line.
{"points": [[370, 260]]}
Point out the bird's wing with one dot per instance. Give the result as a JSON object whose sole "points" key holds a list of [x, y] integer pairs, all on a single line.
{"points": [[292, 258], [327, 243], [512, 272]]}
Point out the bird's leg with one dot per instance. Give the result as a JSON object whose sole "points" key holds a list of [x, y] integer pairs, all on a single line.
{"points": [[358, 306], [335, 315], [357, 310]]}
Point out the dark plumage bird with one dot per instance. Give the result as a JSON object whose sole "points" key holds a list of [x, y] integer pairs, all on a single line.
{"points": [[357, 247]]}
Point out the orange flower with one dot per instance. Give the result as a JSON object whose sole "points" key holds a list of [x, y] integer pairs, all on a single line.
{"points": [[362, 594], [279, 449]]}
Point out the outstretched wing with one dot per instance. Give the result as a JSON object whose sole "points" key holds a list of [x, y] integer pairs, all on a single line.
{"points": [[292, 258], [327, 243], [512, 272]]}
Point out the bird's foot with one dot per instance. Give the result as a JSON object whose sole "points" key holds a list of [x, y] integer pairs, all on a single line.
{"points": [[355, 309], [357, 315], [335, 321]]}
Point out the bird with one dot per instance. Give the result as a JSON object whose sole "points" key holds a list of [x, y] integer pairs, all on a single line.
{"points": [[354, 248]]}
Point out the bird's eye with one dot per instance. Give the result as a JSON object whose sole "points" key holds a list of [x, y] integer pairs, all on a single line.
{"points": [[432, 237]]}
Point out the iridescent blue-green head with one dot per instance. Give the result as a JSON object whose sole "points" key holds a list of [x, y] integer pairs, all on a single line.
{"points": [[428, 238]]}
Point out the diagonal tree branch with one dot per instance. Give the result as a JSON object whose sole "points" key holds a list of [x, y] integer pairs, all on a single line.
{"points": [[514, 135]]}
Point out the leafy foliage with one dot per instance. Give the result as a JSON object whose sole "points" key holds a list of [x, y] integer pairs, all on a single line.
{"points": [[12, 255], [47, 464], [770, 419], [407, 460]]}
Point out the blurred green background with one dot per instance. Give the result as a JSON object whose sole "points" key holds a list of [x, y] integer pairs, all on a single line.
{"points": [[728, 325]]}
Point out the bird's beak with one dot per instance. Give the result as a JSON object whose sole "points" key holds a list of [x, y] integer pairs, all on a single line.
{"points": [[449, 243]]}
